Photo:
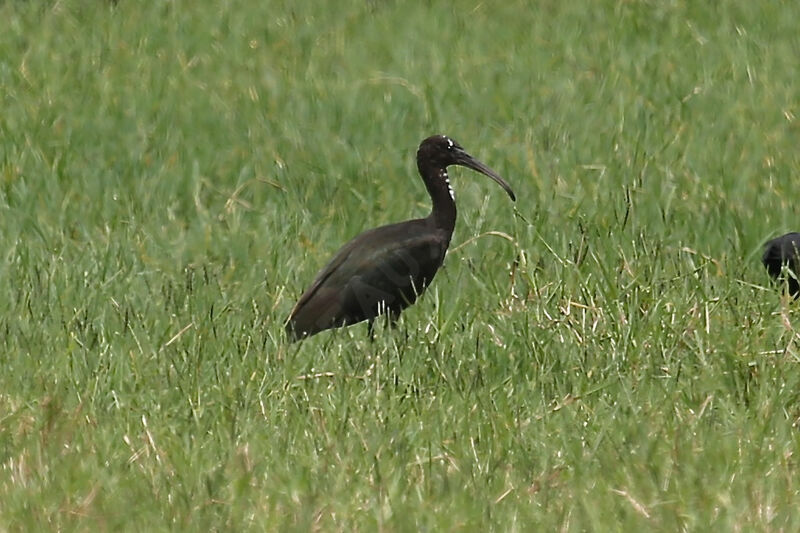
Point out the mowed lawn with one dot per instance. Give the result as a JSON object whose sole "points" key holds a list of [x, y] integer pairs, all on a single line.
{"points": [[605, 354]]}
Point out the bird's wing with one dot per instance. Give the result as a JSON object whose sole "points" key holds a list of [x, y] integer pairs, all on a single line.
{"points": [[398, 264], [321, 276]]}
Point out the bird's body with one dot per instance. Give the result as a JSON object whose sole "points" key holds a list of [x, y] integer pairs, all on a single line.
{"points": [[384, 270], [784, 251], [354, 287]]}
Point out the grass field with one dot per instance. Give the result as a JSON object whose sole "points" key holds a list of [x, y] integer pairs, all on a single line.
{"points": [[173, 174]]}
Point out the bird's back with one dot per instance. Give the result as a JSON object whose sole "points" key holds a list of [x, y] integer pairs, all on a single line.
{"points": [[780, 251]]}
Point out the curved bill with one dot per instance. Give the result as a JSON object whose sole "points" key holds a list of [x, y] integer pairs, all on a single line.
{"points": [[466, 160]]}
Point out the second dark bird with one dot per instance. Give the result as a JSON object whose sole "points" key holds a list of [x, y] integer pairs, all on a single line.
{"points": [[384, 270], [784, 251]]}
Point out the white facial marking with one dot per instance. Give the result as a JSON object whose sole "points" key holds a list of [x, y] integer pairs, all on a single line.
{"points": [[449, 188], [449, 142]]}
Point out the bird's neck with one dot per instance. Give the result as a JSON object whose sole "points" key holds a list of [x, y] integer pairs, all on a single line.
{"points": [[437, 182]]}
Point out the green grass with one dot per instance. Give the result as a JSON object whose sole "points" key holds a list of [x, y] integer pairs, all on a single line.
{"points": [[172, 175]]}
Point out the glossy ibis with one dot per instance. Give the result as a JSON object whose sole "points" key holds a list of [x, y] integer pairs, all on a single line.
{"points": [[383, 271], [780, 251]]}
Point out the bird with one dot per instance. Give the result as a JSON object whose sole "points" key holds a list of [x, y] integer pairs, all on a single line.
{"points": [[784, 251], [383, 270]]}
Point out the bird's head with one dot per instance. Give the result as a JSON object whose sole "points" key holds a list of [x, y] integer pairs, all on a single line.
{"points": [[440, 151]]}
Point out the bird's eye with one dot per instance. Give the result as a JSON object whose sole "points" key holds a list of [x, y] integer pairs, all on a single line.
{"points": [[450, 144]]}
